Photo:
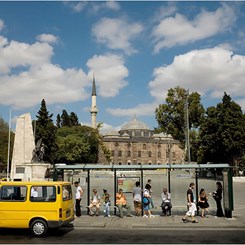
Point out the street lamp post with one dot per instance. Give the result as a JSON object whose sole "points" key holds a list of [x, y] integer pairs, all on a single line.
{"points": [[9, 145], [187, 129]]}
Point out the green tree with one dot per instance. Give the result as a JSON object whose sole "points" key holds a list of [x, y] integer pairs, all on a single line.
{"points": [[4, 142], [222, 133], [77, 144], [58, 121], [241, 166], [65, 119], [171, 116], [71, 149], [74, 119], [103, 146], [46, 131]]}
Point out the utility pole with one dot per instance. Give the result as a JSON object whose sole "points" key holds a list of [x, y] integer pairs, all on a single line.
{"points": [[9, 145], [187, 130]]}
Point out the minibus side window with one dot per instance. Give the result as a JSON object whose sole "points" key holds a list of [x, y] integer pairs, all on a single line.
{"points": [[43, 194], [13, 193], [66, 192]]}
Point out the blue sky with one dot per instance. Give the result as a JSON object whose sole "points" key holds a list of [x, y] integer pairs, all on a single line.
{"points": [[136, 50]]}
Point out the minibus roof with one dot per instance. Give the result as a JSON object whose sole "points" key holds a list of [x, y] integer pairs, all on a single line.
{"points": [[34, 183]]}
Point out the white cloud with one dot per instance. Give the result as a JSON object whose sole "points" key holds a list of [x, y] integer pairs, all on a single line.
{"points": [[1, 25], [112, 5], [139, 110], [99, 6], [47, 81], [179, 30], [48, 38], [117, 34], [24, 55], [165, 11], [27, 76], [210, 72], [110, 73], [76, 6], [3, 41], [93, 7]]}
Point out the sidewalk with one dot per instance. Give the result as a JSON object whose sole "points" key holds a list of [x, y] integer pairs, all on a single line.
{"points": [[158, 222]]}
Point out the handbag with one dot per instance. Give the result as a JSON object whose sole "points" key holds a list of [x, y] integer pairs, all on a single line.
{"points": [[145, 201]]}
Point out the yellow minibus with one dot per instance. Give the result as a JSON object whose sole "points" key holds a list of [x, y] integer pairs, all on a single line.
{"points": [[36, 205]]}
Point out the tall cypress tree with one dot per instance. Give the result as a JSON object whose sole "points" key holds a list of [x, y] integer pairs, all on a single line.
{"points": [[74, 119], [58, 121], [4, 137], [65, 119], [46, 131]]}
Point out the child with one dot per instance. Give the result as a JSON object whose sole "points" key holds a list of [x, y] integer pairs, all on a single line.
{"points": [[106, 199]]}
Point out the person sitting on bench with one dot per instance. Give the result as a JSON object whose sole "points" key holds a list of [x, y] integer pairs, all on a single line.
{"points": [[121, 202], [166, 202], [94, 202]]}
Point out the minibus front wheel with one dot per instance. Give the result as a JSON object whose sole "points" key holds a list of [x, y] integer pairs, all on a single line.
{"points": [[39, 227]]}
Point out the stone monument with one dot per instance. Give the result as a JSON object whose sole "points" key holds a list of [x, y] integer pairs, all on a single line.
{"points": [[24, 167]]}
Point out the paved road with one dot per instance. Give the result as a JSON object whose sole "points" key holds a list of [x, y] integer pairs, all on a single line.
{"points": [[122, 236]]}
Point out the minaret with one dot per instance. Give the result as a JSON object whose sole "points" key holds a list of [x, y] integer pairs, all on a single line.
{"points": [[93, 109]]}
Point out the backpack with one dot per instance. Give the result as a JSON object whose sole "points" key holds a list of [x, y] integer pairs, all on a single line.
{"points": [[145, 201]]}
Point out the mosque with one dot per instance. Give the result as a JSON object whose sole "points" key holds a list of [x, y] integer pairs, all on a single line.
{"points": [[135, 143]]}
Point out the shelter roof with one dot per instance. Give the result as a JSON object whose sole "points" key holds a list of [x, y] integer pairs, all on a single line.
{"points": [[141, 167]]}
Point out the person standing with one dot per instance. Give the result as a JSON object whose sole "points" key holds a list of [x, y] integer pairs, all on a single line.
{"points": [[191, 204], [150, 192], [217, 195], [146, 205], [203, 202], [78, 195], [137, 193]]}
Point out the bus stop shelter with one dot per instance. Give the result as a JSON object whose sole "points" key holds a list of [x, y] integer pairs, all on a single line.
{"points": [[225, 168]]}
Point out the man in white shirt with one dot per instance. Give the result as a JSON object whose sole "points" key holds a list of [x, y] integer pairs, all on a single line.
{"points": [[34, 192], [94, 202], [79, 192], [166, 202]]}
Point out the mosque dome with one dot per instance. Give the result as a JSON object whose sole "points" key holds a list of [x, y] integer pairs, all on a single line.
{"points": [[135, 128], [134, 124], [111, 133]]}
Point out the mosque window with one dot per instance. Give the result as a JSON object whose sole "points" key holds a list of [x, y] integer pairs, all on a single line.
{"points": [[149, 154], [116, 144], [129, 144], [174, 155], [119, 153], [139, 153], [159, 154], [112, 153], [129, 153], [144, 146]]}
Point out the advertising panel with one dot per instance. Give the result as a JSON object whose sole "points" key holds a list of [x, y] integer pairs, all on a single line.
{"points": [[126, 183]]}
